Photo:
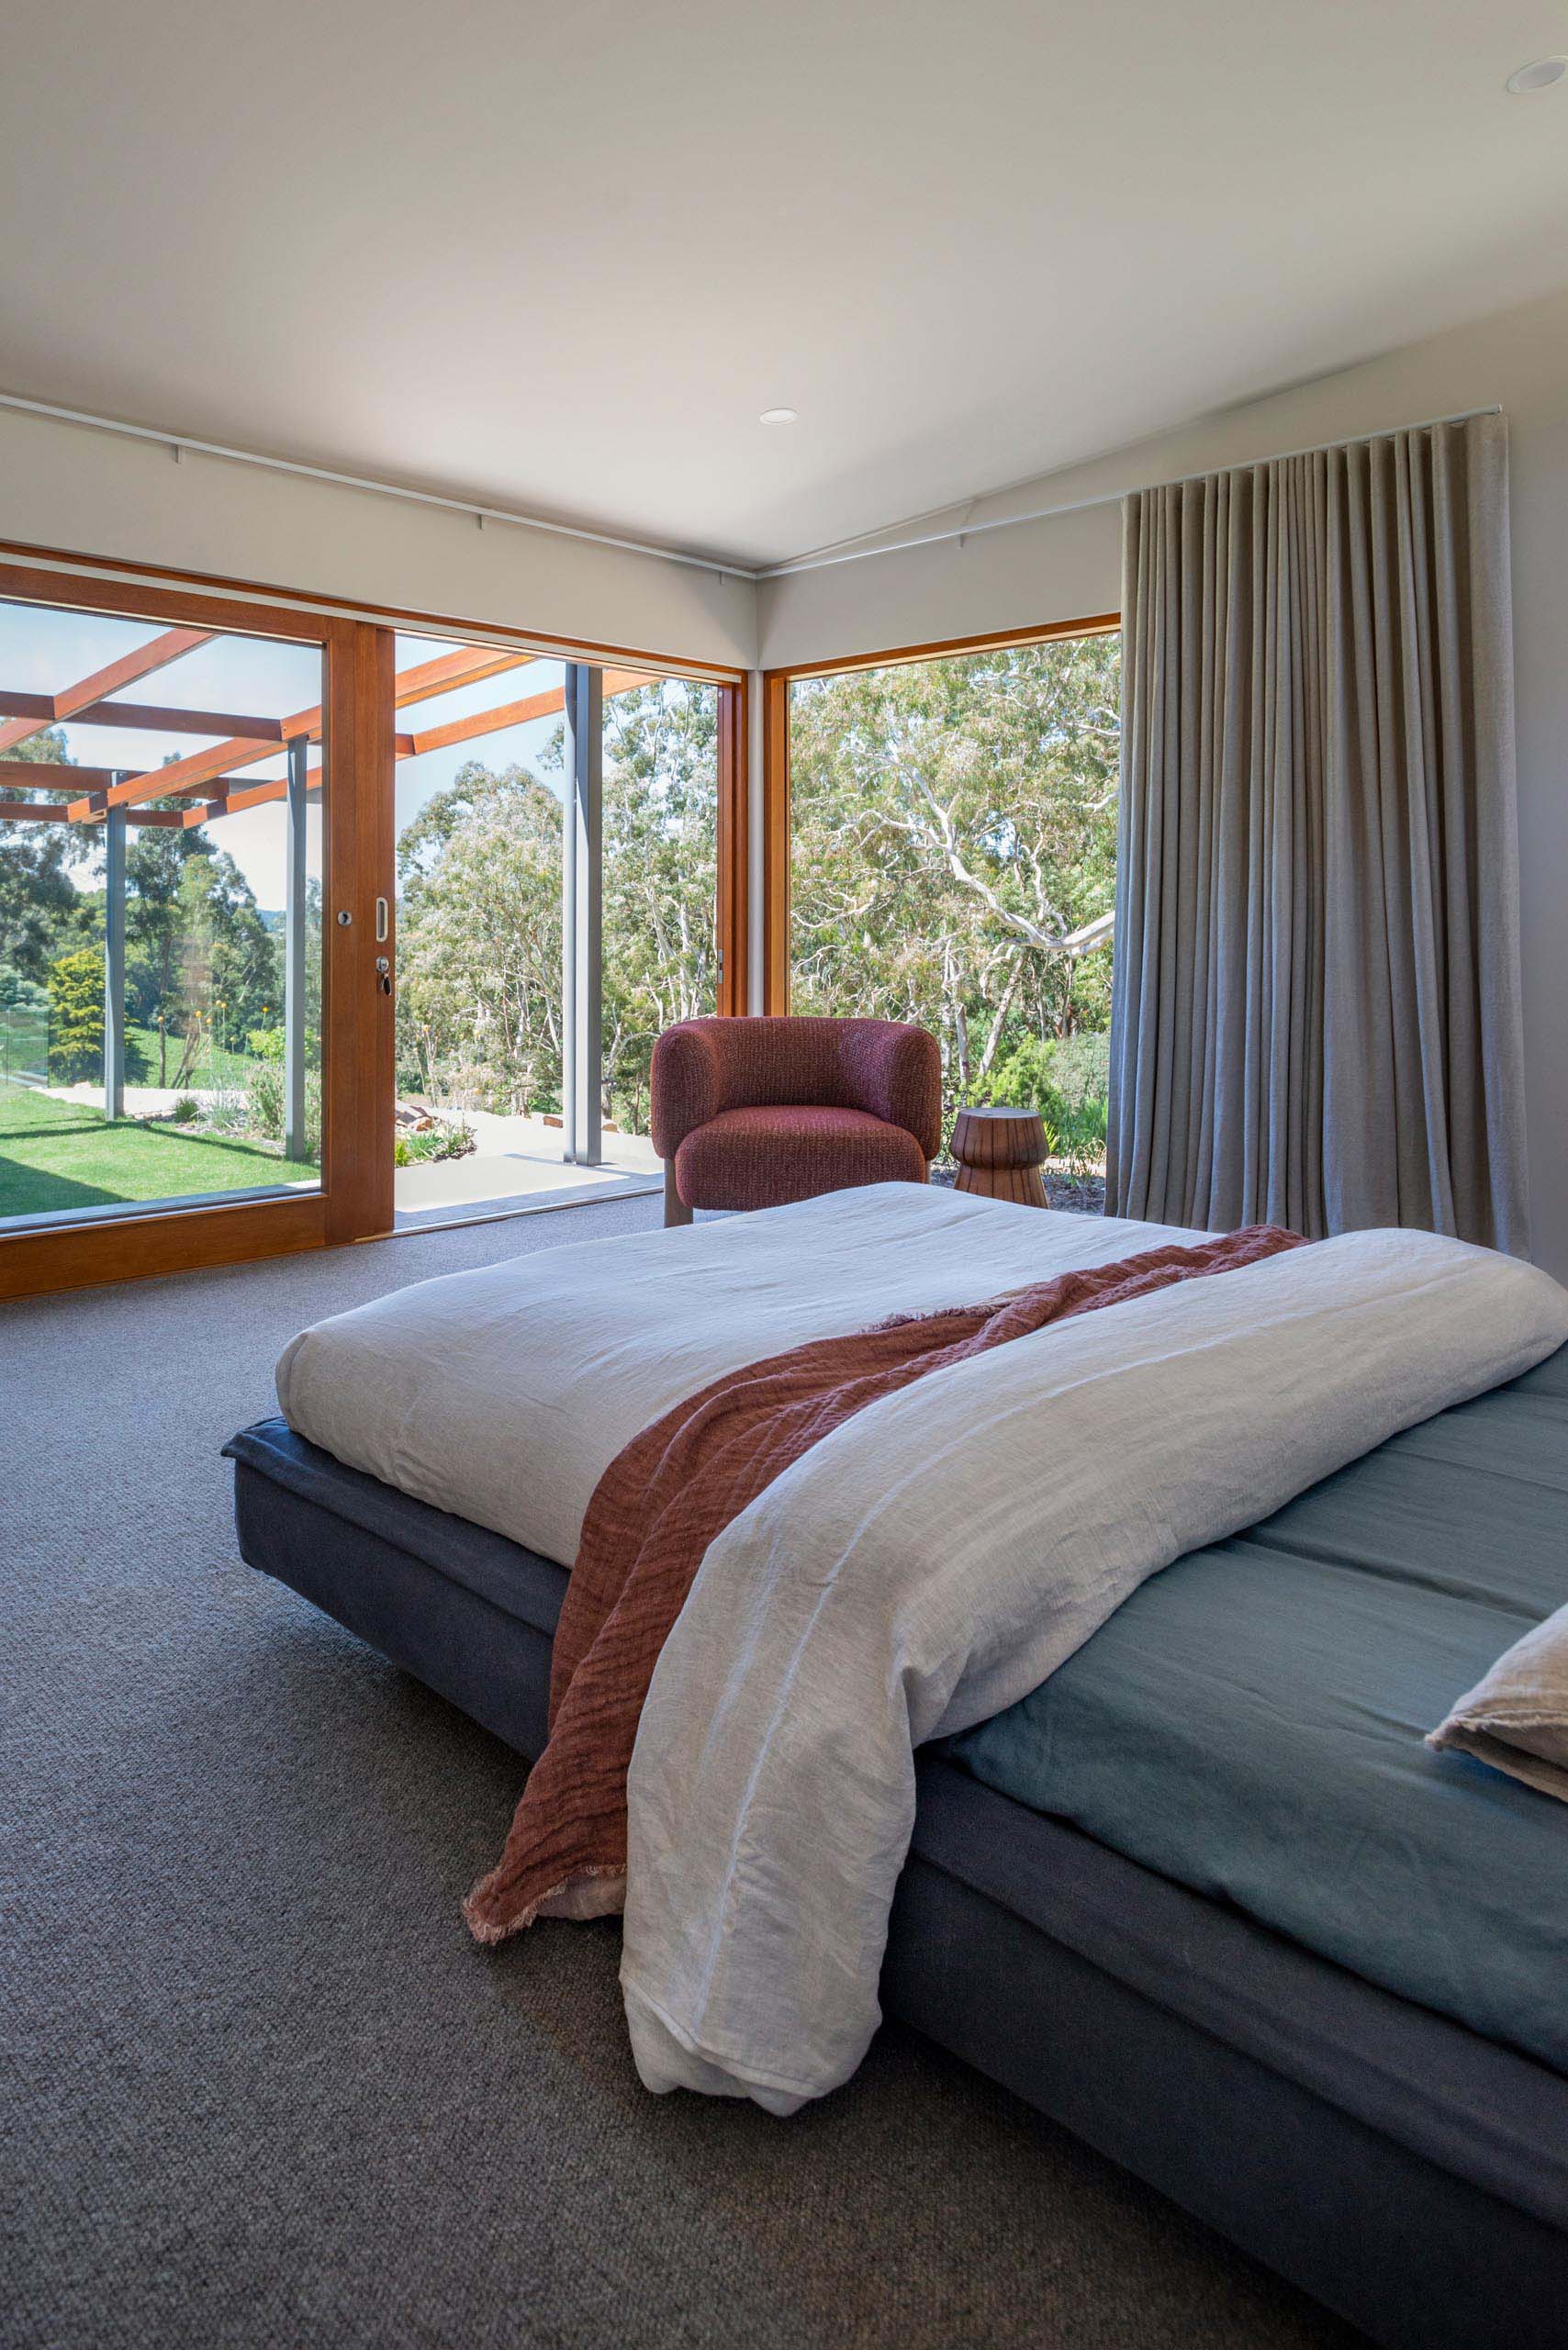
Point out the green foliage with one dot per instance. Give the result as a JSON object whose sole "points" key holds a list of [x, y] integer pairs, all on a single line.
{"points": [[24, 1026], [272, 1043], [479, 928], [1063, 1075], [201, 965], [1067, 1079], [448, 1138], [479, 942], [75, 994], [186, 1109], [260, 1107], [953, 825], [1081, 1068], [21, 995], [76, 1016], [661, 872], [40, 910]]}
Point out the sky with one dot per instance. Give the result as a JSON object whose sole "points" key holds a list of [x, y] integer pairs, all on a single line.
{"points": [[43, 650]]}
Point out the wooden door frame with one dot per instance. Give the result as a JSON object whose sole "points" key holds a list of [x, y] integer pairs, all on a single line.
{"points": [[776, 832], [355, 1200], [732, 914]]}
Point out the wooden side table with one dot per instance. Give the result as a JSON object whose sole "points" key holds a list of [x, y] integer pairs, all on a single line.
{"points": [[1000, 1154]]}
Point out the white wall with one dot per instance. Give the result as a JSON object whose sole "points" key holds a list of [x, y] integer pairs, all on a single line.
{"points": [[1067, 566], [87, 492]]}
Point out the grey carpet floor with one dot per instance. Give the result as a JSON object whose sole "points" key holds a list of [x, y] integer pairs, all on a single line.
{"points": [[260, 2087]]}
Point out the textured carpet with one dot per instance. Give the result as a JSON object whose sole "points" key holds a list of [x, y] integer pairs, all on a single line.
{"points": [[260, 2087]]}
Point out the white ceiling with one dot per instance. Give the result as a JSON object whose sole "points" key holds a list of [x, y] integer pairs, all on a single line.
{"points": [[558, 259]]}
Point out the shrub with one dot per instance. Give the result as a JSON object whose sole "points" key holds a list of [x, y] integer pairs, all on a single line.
{"points": [[450, 1138], [1022, 1078], [76, 1006], [264, 1097], [1068, 1079], [263, 1105], [22, 995], [185, 1109], [1081, 1068]]}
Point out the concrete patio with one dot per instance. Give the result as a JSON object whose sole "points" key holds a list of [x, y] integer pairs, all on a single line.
{"points": [[518, 1162]]}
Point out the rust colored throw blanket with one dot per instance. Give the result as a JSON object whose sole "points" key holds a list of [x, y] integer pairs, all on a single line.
{"points": [[670, 1492]]}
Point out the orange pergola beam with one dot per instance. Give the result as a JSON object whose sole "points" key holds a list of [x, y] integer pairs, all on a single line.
{"points": [[182, 776], [145, 716], [484, 721], [517, 713], [41, 775], [106, 681], [470, 665], [467, 666], [254, 795]]}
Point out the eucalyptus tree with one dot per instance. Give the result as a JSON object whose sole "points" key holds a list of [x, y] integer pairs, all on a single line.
{"points": [[953, 826]]}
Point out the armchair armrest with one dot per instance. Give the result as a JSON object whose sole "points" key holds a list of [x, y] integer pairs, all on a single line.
{"points": [[895, 1071], [685, 1083]]}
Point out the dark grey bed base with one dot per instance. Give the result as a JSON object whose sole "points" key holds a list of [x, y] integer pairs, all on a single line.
{"points": [[1410, 2174]]}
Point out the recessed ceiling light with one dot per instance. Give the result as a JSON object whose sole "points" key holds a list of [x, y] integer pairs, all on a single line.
{"points": [[1538, 76], [779, 416]]}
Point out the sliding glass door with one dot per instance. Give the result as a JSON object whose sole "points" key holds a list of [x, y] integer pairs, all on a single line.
{"points": [[160, 916], [557, 828], [309, 928], [168, 769]]}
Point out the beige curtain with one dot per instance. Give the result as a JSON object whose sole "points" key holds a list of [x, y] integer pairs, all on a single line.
{"points": [[1317, 1001]]}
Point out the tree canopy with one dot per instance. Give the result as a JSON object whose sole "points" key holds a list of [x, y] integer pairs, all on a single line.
{"points": [[479, 933], [200, 962], [39, 900], [953, 822], [953, 825]]}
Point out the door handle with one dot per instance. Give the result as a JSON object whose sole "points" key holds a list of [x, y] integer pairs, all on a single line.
{"points": [[381, 921]]}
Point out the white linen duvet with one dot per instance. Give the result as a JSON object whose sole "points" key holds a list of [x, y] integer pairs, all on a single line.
{"points": [[925, 1565]]}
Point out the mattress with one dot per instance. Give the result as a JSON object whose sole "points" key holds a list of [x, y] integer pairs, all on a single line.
{"points": [[503, 1395], [1250, 1722]]}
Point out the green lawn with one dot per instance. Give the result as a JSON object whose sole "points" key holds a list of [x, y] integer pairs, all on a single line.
{"points": [[216, 1066], [57, 1155]]}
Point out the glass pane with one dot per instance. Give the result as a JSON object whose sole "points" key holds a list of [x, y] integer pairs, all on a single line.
{"points": [[482, 784], [661, 879], [953, 863], [146, 978], [479, 978]]}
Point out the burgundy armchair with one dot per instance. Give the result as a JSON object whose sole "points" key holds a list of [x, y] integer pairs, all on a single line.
{"points": [[751, 1112]]}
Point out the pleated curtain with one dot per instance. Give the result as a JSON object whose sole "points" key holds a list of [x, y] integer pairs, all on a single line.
{"points": [[1316, 1008]]}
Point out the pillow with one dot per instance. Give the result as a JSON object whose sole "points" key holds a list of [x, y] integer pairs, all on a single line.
{"points": [[1515, 1717]]}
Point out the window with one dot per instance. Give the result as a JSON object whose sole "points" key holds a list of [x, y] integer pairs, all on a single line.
{"points": [[160, 866], [493, 1011], [952, 861]]}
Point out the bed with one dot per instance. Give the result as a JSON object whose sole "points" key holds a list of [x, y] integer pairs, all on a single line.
{"points": [[1354, 2064]]}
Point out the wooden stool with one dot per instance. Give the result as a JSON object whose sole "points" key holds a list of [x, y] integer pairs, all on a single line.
{"points": [[1000, 1153]]}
